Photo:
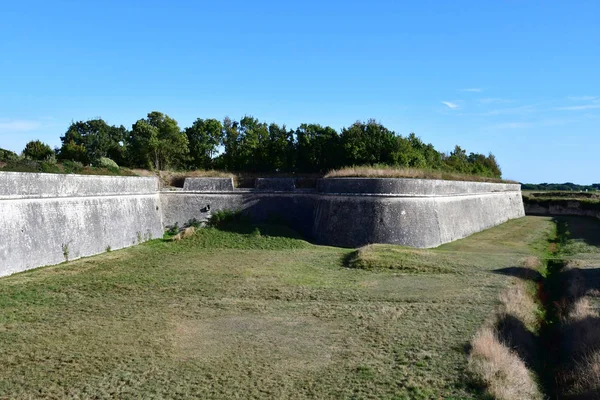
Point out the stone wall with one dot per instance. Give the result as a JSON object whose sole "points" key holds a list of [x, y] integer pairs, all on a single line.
{"points": [[46, 218], [352, 212], [562, 207]]}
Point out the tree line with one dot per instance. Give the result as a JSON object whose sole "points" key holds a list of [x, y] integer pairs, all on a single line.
{"points": [[568, 186], [249, 145]]}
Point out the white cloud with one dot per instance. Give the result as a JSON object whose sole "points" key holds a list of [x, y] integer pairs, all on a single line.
{"points": [[581, 107], [475, 90], [16, 126], [582, 98], [451, 105]]}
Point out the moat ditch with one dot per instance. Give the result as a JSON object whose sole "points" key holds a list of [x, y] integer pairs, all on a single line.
{"points": [[562, 349]]}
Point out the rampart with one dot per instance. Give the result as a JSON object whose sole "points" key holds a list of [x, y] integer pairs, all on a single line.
{"points": [[47, 219]]}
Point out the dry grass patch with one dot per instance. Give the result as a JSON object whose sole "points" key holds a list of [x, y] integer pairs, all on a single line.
{"points": [[499, 369], [504, 349], [518, 301], [283, 342], [394, 172]]}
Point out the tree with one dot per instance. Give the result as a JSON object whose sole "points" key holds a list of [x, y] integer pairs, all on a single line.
{"points": [[318, 148], [280, 148], [367, 143], [97, 138], [253, 150], [230, 142], [37, 150], [204, 137], [457, 161], [157, 142]]}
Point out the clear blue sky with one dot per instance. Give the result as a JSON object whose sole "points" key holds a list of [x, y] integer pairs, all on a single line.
{"points": [[517, 78]]}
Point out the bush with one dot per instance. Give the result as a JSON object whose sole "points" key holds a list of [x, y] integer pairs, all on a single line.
{"points": [[7, 155], [105, 162], [36, 150], [72, 167], [226, 217]]}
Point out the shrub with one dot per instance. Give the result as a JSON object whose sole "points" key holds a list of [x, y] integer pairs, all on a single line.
{"points": [[174, 229], [194, 223], [225, 217], [37, 150], [7, 155], [72, 167], [105, 162]]}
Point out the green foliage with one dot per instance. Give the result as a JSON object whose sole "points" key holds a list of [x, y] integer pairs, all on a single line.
{"points": [[37, 150], [249, 145], [225, 217], [157, 142], [88, 141], [72, 167], [105, 162], [193, 223], [568, 186], [173, 229], [7, 155], [204, 136]]}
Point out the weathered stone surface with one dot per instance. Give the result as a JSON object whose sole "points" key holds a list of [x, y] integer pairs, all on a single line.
{"points": [[410, 187], [293, 209], [47, 218], [16, 185], [208, 184], [275, 184]]}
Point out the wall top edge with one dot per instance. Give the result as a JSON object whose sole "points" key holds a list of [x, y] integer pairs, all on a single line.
{"points": [[26, 184], [50, 174]]}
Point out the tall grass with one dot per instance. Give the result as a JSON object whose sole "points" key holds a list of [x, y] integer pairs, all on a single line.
{"points": [[503, 350], [396, 172]]}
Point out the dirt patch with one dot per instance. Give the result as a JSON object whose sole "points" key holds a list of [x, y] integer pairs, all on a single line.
{"points": [[283, 342]]}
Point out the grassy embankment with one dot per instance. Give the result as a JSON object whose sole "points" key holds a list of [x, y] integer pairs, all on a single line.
{"points": [[257, 314], [544, 339], [243, 179]]}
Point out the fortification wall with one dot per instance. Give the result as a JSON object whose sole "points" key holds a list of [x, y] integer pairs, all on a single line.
{"points": [[562, 207], [47, 218], [352, 212], [293, 209]]}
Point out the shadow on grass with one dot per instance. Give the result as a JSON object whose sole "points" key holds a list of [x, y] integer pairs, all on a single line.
{"points": [[266, 229], [523, 273], [583, 229]]}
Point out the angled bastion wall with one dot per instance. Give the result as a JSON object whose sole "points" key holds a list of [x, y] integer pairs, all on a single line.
{"points": [[352, 212], [47, 218]]}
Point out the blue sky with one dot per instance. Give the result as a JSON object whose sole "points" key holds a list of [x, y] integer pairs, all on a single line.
{"points": [[517, 78]]}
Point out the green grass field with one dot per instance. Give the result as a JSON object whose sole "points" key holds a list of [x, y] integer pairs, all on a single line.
{"points": [[257, 314]]}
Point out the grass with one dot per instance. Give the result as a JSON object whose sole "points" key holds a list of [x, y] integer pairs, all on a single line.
{"points": [[241, 313], [577, 309], [67, 167], [397, 172]]}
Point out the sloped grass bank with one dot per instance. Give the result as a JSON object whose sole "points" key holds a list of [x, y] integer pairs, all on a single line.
{"points": [[242, 313], [544, 339]]}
